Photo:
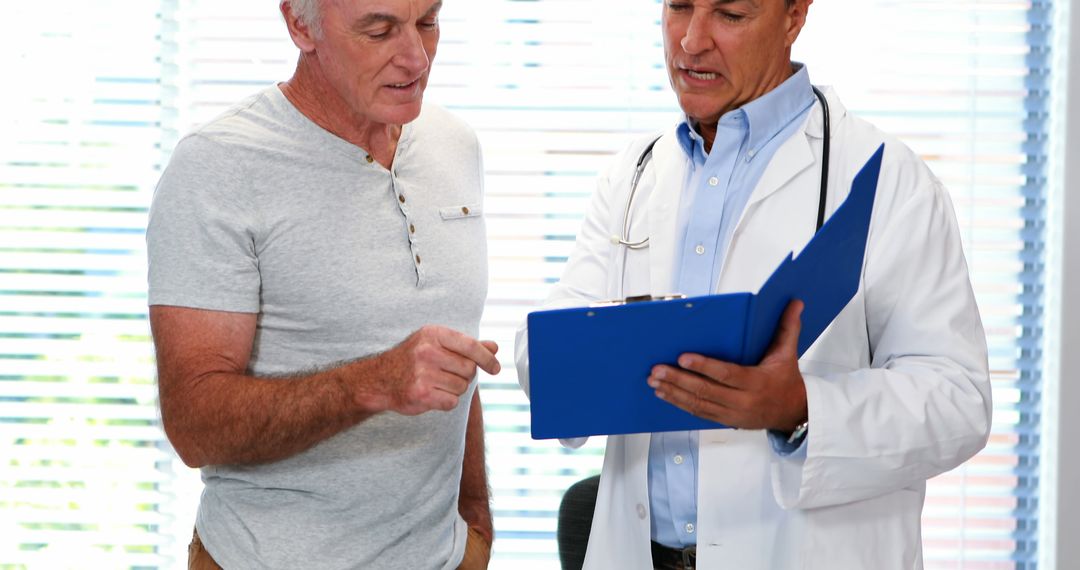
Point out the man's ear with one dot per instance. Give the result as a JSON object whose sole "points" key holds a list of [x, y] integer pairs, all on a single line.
{"points": [[300, 33], [796, 17]]}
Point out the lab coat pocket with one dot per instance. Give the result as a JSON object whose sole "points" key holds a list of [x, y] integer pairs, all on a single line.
{"points": [[462, 211], [880, 532]]}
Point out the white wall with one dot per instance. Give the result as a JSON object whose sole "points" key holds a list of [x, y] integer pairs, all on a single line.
{"points": [[1063, 504]]}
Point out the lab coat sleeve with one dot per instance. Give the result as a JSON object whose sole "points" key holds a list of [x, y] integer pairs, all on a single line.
{"points": [[924, 405], [585, 276]]}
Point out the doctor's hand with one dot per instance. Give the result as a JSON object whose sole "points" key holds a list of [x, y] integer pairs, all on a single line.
{"points": [[770, 395]]}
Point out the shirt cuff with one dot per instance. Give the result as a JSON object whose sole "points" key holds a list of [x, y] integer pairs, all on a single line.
{"points": [[794, 450]]}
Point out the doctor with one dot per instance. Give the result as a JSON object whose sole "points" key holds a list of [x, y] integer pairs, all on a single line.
{"points": [[829, 465]]}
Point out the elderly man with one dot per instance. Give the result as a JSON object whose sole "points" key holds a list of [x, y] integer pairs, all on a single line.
{"points": [[317, 275], [828, 466]]}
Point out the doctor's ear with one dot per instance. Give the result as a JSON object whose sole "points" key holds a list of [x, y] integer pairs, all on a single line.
{"points": [[796, 19]]}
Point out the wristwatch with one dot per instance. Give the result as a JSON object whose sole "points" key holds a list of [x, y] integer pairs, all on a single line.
{"points": [[799, 433]]}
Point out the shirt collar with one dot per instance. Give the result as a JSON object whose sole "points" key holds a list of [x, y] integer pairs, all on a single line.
{"points": [[766, 116]]}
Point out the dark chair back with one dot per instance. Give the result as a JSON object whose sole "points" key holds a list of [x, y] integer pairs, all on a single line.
{"points": [[575, 522]]}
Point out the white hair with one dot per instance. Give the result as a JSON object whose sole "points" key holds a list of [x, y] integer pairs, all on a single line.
{"points": [[308, 13]]}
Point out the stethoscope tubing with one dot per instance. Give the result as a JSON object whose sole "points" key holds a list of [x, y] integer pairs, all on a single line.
{"points": [[646, 156]]}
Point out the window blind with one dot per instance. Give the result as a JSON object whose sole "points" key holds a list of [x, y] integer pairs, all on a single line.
{"points": [[554, 88], [82, 482], [967, 86]]}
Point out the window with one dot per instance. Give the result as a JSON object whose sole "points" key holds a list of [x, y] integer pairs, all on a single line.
{"points": [[84, 475], [553, 87], [967, 86]]}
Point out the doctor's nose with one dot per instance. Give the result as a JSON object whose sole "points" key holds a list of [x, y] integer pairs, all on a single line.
{"points": [[697, 38]]}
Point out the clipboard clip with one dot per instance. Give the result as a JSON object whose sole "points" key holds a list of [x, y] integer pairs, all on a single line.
{"points": [[636, 299]]}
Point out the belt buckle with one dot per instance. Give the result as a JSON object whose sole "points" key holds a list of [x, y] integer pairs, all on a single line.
{"points": [[689, 557]]}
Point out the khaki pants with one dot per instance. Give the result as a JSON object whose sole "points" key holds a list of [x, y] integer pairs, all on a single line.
{"points": [[477, 554], [197, 556]]}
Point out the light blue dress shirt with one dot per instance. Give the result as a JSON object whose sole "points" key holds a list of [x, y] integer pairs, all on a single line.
{"points": [[717, 187]]}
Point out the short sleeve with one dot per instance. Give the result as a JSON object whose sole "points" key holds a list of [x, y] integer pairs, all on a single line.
{"points": [[201, 236]]}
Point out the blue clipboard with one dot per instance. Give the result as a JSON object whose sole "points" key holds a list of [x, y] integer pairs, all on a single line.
{"points": [[588, 365]]}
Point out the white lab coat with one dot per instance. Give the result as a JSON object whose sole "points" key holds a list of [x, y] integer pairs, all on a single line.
{"points": [[897, 387]]}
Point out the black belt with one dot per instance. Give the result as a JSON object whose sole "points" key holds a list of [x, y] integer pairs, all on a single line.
{"points": [[666, 558]]}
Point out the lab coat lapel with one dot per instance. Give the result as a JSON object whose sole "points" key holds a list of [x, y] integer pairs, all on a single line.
{"points": [[668, 173], [794, 156]]}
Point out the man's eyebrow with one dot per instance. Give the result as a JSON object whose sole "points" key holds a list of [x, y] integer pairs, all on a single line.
{"points": [[382, 18], [374, 18], [717, 3]]}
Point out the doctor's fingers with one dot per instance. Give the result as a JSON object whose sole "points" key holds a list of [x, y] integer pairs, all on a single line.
{"points": [[726, 373], [785, 343], [698, 396]]}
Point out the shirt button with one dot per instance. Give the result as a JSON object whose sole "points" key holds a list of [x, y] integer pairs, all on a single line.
{"points": [[401, 198], [465, 210], [418, 260], [641, 511], [678, 460], [369, 159], [689, 528], [714, 181], [412, 229], [700, 249]]}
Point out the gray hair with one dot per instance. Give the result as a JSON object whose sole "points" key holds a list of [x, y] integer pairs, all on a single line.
{"points": [[308, 13]]}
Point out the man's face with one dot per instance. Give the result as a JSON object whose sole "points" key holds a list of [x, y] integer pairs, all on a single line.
{"points": [[722, 54], [377, 55]]}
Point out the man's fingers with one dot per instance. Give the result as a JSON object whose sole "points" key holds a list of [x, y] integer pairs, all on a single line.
{"points": [[444, 394], [491, 346], [443, 400], [457, 365], [472, 349], [451, 384]]}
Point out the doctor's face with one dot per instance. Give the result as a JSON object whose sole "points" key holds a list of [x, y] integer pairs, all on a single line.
{"points": [[722, 54]]}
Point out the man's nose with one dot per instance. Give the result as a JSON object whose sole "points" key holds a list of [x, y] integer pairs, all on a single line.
{"points": [[412, 55], [697, 38]]}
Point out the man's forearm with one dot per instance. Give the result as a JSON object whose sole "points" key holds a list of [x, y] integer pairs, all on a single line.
{"points": [[474, 503], [223, 418], [215, 413]]}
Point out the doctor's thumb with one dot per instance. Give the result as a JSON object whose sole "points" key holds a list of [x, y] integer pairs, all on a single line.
{"points": [[787, 333]]}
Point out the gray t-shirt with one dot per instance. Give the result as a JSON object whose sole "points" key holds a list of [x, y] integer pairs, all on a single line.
{"points": [[262, 211]]}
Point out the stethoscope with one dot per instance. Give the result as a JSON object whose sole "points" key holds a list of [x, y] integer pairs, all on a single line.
{"points": [[646, 156]]}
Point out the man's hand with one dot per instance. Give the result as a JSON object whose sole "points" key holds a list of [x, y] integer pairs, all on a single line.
{"points": [[477, 552], [474, 501], [429, 370], [770, 395]]}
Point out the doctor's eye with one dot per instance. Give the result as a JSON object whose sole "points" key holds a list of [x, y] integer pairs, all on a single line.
{"points": [[679, 6], [732, 17], [428, 24]]}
